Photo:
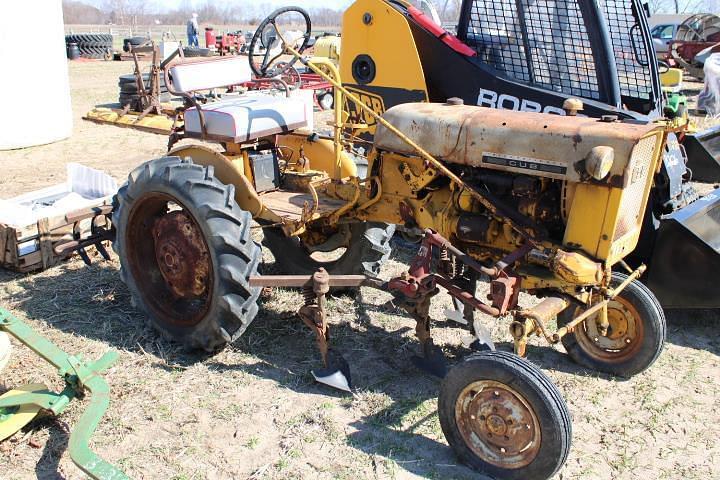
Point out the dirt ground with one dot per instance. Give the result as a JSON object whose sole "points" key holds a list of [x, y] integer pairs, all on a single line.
{"points": [[253, 411]]}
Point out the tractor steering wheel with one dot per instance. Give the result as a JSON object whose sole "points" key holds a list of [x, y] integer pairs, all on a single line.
{"points": [[268, 36]]}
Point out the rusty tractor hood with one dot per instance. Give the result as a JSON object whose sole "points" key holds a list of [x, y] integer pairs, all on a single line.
{"points": [[540, 144]]}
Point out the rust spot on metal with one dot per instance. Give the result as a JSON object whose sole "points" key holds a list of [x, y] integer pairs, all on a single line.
{"points": [[498, 424], [576, 140], [407, 214], [169, 260], [181, 254]]}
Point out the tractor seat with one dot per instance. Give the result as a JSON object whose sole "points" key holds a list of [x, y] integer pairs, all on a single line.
{"points": [[242, 118], [248, 117]]}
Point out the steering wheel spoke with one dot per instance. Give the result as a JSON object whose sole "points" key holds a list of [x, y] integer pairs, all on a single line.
{"points": [[268, 66]]}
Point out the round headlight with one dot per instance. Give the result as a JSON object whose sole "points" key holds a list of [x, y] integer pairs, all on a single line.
{"points": [[599, 162]]}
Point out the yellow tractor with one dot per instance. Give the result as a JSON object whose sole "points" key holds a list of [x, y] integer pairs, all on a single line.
{"points": [[544, 204]]}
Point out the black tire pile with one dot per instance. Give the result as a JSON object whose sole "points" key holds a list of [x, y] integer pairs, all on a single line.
{"points": [[196, 52], [92, 45], [129, 92], [133, 42]]}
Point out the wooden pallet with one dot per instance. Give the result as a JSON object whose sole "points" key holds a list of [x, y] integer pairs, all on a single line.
{"points": [[39, 246]]}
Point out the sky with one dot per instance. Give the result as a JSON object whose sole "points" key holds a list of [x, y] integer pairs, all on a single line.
{"points": [[171, 4]]}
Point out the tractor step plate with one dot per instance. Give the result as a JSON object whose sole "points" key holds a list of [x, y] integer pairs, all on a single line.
{"points": [[289, 205]]}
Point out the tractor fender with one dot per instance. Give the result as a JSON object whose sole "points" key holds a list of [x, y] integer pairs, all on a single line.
{"points": [[320, 151], [227, 172]]}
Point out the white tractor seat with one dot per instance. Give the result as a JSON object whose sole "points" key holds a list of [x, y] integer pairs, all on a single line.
{"points": [[248, 117], [212, 73]]}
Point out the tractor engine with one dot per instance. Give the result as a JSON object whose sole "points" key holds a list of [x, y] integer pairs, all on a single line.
{"points": [[535, 198], [564, 182]]}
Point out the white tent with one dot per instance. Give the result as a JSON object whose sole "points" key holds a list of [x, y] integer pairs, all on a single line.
{"points": [[34, 90]]}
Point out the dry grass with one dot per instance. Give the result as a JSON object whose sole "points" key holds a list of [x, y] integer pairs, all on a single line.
{"points": [[253, 410]]}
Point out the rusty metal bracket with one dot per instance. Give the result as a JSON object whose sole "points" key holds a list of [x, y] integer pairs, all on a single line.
{"points": [[533, 320], [418, 182]]}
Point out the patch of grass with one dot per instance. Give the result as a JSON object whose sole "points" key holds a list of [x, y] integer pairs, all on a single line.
{"points": [[252, 442], [282, 464]]}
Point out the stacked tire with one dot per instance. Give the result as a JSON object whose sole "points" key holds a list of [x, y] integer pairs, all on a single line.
{"points": [[128, 43], [92, 45], [129, 92], [196, 52]]}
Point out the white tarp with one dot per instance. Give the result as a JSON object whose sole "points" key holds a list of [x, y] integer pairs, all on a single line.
{"points": [[34, 80], [709, 98], [83, 187]]}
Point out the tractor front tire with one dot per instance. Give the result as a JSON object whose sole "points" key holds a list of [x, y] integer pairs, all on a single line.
{"points": [[186, 253], [634, 340], [504, 417]]}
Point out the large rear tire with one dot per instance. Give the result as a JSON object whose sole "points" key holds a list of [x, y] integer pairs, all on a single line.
{"points": [[186, 253], [634, 340], [504, 417], [367, 249]]}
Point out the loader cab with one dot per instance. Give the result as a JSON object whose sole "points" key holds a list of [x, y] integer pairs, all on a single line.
{"points": [[599, 50], [508, 54]]}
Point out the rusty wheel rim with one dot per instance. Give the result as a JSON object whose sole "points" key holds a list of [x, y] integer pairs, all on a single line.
{"points": [[169, 260], [497, 424], [624, 336]]}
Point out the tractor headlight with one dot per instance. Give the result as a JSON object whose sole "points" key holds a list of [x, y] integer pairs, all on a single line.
{"points": [[599, 162]]}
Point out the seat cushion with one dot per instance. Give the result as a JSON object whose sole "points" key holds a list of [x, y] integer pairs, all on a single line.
{"points": [[213, 73], [248, 118]]}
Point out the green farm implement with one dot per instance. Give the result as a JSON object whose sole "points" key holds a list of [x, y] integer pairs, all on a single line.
{"points": [[19, 406]]}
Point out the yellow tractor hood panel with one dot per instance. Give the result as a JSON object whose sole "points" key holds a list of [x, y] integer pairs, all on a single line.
{"points": [[539, 144]]}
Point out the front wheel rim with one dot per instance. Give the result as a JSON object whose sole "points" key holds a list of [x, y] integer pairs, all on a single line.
{"points": [[498, 424], [624, 336]]}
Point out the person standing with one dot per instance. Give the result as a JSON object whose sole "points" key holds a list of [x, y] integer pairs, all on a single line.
{"points": [[192, 31]]}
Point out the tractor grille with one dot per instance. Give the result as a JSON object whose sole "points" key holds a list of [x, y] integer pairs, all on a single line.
{"points": [[631, 54], [633, 195], [541, 42]]}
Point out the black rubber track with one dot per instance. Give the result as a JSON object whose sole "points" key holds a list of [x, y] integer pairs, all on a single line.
{"points": [[654, 325], [196, 52], [130, 78], [226, 229], [79, 38], [92, 45], [528, 380], [94, 52], [133, 41], [124, 99], [369, 248]]}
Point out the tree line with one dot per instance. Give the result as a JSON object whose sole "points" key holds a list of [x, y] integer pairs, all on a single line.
{"points": [[140, 12]]}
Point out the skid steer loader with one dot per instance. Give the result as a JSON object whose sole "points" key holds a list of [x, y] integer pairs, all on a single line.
{"points": [[545, 204], [533, 57]]}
